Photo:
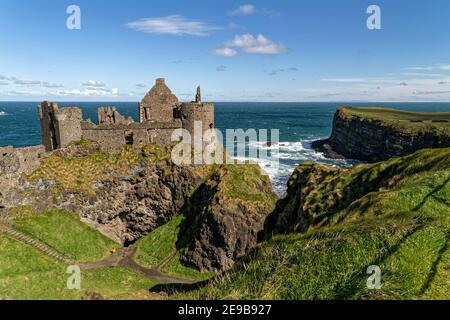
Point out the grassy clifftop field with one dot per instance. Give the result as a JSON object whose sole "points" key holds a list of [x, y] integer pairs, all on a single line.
{"points": [[317, 243], [406, 120], [394, 214]]}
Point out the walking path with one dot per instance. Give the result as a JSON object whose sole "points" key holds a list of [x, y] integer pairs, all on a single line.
{"points": [[123, 258]]}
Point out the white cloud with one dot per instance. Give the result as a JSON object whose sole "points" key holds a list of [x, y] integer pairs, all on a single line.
{"points": [[444, 67], [420, 68], [344, 80], [244, 10], [221, 68], [440, 66], [275, 72], [94, 84], [247, 43], [173, 25], [225, 52], [51, 85], [89, 92], [25, 81], [427, 93]]}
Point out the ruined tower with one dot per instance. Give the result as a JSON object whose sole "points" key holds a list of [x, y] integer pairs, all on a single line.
{"points": [[59, 127], [197, 111]]}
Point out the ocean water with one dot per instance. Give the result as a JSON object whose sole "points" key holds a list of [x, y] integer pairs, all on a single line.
{"points": [[299, 124]]}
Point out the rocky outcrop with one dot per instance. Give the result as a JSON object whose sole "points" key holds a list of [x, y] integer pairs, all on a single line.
{"points": [[378, 137], [128, 194], [131, 206], [123, 204], [226, 215]]}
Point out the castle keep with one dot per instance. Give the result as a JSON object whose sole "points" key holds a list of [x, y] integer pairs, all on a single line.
{"points": [[160, 113]]}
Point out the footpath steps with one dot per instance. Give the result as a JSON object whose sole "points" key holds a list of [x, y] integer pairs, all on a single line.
{"points": [[6, 228]]}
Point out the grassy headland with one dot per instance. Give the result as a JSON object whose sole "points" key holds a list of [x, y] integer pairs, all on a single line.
{"points": [[396, 216], [412, 121]]}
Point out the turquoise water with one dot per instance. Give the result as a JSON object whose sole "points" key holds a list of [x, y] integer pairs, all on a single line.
{"points": [[299, 124]]}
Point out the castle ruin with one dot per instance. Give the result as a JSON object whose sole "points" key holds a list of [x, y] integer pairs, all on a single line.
{"points": [[160, 113]]}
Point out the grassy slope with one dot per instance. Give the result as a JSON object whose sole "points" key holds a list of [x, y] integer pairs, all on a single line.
{"points": [[64, 232], [77, 174], [407, 120], [404, 229], [26, 273], [161, 244]]}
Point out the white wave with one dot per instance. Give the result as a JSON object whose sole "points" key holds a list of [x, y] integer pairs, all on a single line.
{"points": [[284, 157], [3, 113]]}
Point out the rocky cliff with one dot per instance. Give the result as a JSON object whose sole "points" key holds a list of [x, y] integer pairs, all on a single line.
{"points": [[376, 134], [125, 195], [225, 216], [336, 224], [128, 194]]}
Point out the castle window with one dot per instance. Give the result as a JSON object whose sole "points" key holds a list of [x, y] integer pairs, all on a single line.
{"points": [[129, 138]]}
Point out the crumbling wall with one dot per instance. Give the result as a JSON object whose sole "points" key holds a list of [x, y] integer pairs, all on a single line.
{"points": [[110, 116], [59, 127], [68, 126], [137, 135], [20, 160], [109, 139]]}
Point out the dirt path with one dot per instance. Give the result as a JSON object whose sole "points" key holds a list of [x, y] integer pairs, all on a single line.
{"points": [[123, 258]]}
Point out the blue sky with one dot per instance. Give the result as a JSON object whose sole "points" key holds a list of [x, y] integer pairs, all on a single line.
{"points": [[289, 50]]}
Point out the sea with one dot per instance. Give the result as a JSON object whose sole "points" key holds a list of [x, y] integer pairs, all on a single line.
{"points": [[299, 124]]}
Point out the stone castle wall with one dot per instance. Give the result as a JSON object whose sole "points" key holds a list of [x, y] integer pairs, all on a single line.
{"points": [[137, 135]]}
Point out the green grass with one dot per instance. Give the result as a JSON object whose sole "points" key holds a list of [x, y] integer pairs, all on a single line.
{"points": [[26, 273], [396, 214], [177, 269], [396, 114], [160, 244], [64, 232], [77, 174], [407, 120]]}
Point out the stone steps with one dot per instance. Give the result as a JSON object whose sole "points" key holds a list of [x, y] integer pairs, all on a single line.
{"points": [[11, 232]]}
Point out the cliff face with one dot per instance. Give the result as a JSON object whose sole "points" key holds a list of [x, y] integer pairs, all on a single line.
{"points": [[125, 195], [380, 136], [336, 223], [226, 214]]}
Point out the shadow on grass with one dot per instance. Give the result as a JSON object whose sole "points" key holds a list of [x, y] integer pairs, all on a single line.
{"points": [[178, 288]]}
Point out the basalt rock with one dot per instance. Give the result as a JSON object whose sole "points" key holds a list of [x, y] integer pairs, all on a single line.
{"points": [[383, 135], [226, 215], [129, 207]]}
